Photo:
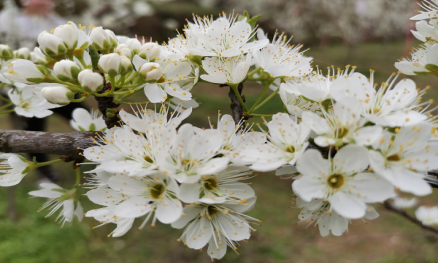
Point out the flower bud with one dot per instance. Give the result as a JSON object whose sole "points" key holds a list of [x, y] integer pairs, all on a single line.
{"points": [[39, 56], [103, 39], [151, 70], [133, 44], [23, 53], [50, 44], [6, 52], [66, 70], [57, 94], [149, 51], [25, 71], [123, 50], [90, 80], [110, 64], [68, 33], [125, 65]]}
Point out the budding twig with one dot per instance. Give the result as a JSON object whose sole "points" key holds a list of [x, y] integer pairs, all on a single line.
{"points": [[392, 208]]}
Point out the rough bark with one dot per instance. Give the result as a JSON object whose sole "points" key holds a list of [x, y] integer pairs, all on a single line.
{"points": [[236, 107], [64, 144], [107, 103]]}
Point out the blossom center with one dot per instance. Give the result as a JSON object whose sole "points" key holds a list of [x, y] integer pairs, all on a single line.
{"points": [[157, 190], [290, 149], [335, 181], [341, 132], [210, 184], [212, 210], [188, 164], [394, 157], [148, 159]]}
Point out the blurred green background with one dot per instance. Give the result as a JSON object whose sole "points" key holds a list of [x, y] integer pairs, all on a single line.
{"points": [[27, 236]]}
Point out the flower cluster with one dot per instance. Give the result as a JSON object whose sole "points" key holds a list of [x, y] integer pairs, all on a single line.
{"points": [[179, 176], [423, 58], [345, 142]]}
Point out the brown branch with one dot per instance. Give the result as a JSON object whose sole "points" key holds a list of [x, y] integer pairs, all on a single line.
{"points": [[403, 213], [104, 104], [65, 144], [236, 108], [108, 108]]}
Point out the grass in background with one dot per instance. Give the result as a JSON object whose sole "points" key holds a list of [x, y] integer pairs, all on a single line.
{"points": [[390, 238]]}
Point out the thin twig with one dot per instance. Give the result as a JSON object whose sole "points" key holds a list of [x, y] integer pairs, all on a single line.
{"points": [[403, 213], [236, 107]]}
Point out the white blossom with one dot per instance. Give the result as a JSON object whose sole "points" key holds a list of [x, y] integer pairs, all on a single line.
{"points": [[287, 141], [218, 225], [221, 187], [82, 120], [281, 60], [177, 79], [29, 102], [392, 105], [404, 158], [59, 198], [427, 215], [223, 37], [341, 124], [193, 155], [13, 168], [318, 213], [341, 181]]}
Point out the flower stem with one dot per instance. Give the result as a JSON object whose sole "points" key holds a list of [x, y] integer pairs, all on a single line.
{"points": [[42, 164], [4, 99], [261, 115], [6, 105], [78, 176], [7, 111], [236, 91], [267, 99], [260, 97]]}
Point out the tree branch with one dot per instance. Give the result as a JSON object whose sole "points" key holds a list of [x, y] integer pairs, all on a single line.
{"points": [[65, 144], [403, 213], [236, 107], [108, 108]]}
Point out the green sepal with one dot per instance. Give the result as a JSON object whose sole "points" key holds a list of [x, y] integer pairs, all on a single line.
{"points": [[92, 127], [35, 80], [327, 103], [7, 54], [75, 72], [111, 112], [421, 73], [94, 57]]}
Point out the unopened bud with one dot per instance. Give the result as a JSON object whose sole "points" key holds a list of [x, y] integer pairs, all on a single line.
{"points": [[50, 44], [90, 80], [6, 52], [149, 51], [103, 39], [57, 94], [66, 70], [125, 65], [68, 33], [151, 70], [23, 53], [133, 44], [123, 50], [110, 64]]}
